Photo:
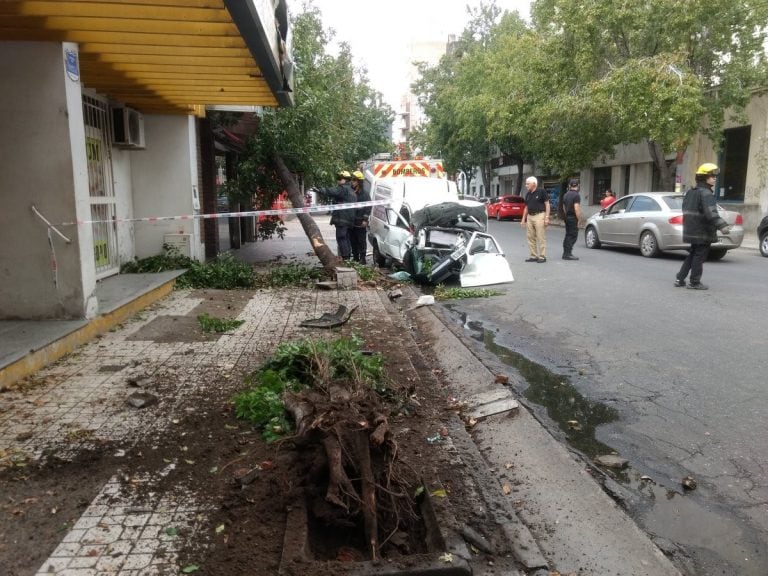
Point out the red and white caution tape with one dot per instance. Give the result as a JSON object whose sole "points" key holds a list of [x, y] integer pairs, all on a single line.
{"points": [[271, 212]]}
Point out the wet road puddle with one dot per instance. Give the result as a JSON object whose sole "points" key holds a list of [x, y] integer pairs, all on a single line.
{"points": [[716, 542]]}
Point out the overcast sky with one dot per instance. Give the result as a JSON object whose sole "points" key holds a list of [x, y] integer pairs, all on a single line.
{"points": [[380, 32]]}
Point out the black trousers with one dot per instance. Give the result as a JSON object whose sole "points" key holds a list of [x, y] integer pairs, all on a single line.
{"points": [[342, 240], [694, 263], [358, 236], [571, 233]]}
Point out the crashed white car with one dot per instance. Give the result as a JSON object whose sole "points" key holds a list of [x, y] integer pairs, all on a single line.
{"points": [[442, 241]]}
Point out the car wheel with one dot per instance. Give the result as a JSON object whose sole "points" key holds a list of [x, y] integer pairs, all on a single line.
{"points": [[764, 244], [379, 259], [591, 238], [716, 254], [649, 246]]}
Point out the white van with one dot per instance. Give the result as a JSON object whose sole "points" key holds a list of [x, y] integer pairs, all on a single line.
{"points": [[389, 226]]}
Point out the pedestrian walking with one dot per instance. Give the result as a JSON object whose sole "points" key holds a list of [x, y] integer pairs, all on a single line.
{"points": [[342, 219], [536, 219], [571, 212], [608, 199], [700, 224], [359, 230]]}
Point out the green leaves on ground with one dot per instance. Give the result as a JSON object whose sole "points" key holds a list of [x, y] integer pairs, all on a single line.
{"points": [[443, 293], [299, 365], [227, 273], [170, 259], [289, 275], [365, 273], [218, 325], [222, 273]]}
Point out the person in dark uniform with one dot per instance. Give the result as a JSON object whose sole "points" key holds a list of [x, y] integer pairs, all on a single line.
{"points": [[571, 212], [342, 219], [359, 230], [700, 225], [536, 218]]}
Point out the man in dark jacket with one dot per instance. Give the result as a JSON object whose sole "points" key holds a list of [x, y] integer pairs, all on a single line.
{"points": [[359, 230], [700, 224], [342, 219], [571, 212]]}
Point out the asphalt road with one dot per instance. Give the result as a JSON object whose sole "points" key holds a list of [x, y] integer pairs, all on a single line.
{"points": [[674, 380]]}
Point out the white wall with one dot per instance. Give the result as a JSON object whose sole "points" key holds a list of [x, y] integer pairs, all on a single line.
{"points": [[40, 118], [163, 176]]}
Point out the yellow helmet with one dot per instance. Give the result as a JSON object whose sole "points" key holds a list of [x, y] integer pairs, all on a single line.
{"points": [[357, 175], [707, 169], [343, 174]]}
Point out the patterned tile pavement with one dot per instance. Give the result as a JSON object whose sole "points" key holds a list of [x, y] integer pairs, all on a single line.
{"points": [[81, 401]]}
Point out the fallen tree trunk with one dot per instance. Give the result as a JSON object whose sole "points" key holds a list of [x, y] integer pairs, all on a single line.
{"points": [[327, 258]]}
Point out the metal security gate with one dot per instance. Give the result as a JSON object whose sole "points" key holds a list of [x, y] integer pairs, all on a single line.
{"points": [[100, 183]]}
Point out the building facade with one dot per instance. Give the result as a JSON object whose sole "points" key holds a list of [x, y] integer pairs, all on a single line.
{"points": [[743, 161], [107, 155]]}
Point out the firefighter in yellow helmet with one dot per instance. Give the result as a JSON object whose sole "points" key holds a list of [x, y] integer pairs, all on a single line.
{"points": [[342, 219], [700, 225], [359, 231]]}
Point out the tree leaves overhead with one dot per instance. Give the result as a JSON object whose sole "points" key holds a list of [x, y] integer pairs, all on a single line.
{"points": [[587, 75], [337, 120]]}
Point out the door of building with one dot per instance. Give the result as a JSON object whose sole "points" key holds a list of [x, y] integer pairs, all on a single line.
{"points": [[101, 186]]}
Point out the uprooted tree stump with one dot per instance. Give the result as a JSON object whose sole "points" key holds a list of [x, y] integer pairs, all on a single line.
{"points": [[349, 421]]}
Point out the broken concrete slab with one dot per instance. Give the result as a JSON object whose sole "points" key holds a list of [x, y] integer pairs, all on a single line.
{"points": [[611, 461], [141, 399], [491, 402], [346, 278]]}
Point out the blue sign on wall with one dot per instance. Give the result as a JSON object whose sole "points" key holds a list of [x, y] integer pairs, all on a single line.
{"points": [[72, 64]]}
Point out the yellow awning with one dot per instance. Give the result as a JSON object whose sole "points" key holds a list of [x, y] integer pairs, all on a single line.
{"points": [[161, 56]]}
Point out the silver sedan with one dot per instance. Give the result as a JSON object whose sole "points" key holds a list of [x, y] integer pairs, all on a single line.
{"points": [[653, 222]]}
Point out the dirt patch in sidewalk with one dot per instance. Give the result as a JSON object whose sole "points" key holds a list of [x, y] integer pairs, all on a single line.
{"points": [[223, 304], [245, 484]]}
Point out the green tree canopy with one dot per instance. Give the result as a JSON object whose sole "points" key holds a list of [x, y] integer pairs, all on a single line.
{"points": [[588, 75], [661, 70]]}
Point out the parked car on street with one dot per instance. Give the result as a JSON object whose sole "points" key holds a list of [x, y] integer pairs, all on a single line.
{"points": [[506, 207], [653, 222], [762, 234]]}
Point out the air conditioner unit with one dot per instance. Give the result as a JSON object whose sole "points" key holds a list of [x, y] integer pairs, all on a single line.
{"points": [[127, 127], [180, 242]]}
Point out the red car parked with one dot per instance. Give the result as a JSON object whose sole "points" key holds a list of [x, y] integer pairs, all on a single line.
{"points": [[506, 207]]}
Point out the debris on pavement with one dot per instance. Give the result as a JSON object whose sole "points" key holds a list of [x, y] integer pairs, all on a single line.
{"points": [[434, 439], [395, 294], [689, 483], [426, 300], [477, 540], [141, 399], [491, 403], [400, 275], [611, 461], [330, 320]]}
